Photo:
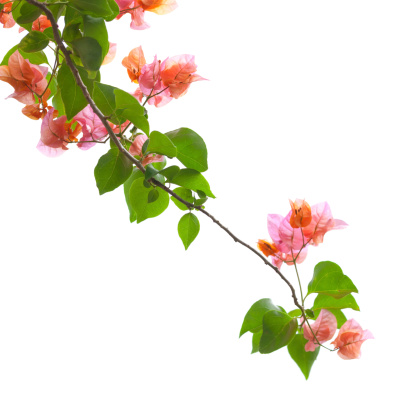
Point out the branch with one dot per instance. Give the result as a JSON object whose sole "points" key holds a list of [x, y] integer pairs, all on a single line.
{"points": [[121, 148]]}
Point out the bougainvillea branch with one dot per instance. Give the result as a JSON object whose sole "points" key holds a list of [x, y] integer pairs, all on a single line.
{"points": [[102, 113]]}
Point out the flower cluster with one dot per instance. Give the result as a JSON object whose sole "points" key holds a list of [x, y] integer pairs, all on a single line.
{"points": [[160, 81], [137, 9], [348, 342], [6, 18], [292, 234]]}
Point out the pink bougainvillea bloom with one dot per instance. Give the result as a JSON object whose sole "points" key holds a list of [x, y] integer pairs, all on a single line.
{"points": [[39, 25], [178, 73], [324, 329], [24, 77], [280, 257], [322, 222], [136, 149], [6, 18], [350, 338], [136, 11], [92, 128], [134, 63], [301, 213], [110, 56]]}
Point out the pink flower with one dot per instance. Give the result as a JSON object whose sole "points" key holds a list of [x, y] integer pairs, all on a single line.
{"points": [[178, 73], [24, 77], [280, 257], [350, 338], [92, 128], [136, 11], [322, 222], [55, 134], [6, 18], [136, 149], [110, 56], [324, 329]]}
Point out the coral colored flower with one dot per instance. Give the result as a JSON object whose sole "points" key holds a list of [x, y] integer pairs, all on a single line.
{"points": [[39, 25], [136, 12], [158, 6], [324, 329], [350, 338], [301, 213], [268, 249], [24, 77], [134, 63], [178, 73], [36, 111], [110, 56], [322, 222], [92, 128], [280, 257], [136, 149], [6, 18]]}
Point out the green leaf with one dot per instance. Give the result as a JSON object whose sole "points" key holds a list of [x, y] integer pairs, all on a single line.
{"points": [[28, 13], [170, 172], [104, 97], [193, 180], [328, 302], [253, 321], [339, 315], [57, 102], [191, 149], [188, 229], [33, 42], [1, 6], [112, 170], [52, 84], [128, 107], [72, 32], [150, 172], [71, 93], [90, 52], [99, 8], [278, 330], [329, 279], [19, 15], [49, 34], [256, 341], [303, 359], [115, 10], [161, 144], [138, 198], [127, 186], [153, 195], [95, 27], [295, 313], [185, 194], [36, 58]]}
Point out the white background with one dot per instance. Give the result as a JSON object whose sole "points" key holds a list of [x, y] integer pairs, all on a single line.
{"points": [[306, 99]]}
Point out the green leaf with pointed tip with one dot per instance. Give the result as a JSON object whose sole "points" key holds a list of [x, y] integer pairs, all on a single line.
{"points": [[185, 194], [153, 195], [253, 321], [256, 341], [193, 180], [150, 172], [99, 8], [37, 58], [127, 186], [19, 15], [188, 229], [339, 315], [33, 42], [28, 13], [329, 279], [104, 97], [89, 51], [138, 198], [191, 149], [115, 10], [128, 107], [161, 144], [112, 170], [71, 93], [329, 302], [303, 359], [278, 330]]}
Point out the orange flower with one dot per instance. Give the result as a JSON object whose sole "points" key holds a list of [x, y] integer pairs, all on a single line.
{"points": [[158, 6], [268, 249], [39, 25], [301, 214], [38, 111], [6, 18], [134, 63]]}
